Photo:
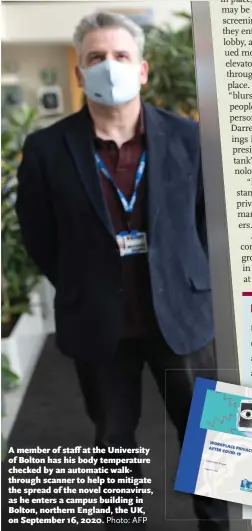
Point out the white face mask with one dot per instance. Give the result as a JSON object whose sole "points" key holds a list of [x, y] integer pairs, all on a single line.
{"points": [[112, 82]]}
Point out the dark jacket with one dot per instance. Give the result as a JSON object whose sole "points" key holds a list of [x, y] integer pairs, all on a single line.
{"points": [[68, 232]]}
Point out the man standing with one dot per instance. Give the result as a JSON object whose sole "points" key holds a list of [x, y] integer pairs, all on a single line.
{"points": [[111, 206]]}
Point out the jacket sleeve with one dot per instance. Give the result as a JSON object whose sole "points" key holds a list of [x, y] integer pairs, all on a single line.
{"points": [[35, 214]]}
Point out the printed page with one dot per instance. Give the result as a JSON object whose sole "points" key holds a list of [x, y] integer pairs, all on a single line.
{"points": [[232, 42], [111, 301], [219, 430]]}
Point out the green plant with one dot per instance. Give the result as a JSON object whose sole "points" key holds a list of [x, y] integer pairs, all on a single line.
{"points": [[19, 274], [9, 381], [170, 56]]}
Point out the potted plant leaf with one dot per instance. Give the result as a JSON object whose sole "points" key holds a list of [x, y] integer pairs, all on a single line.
{"points": [[170, 55], [22, 321]]}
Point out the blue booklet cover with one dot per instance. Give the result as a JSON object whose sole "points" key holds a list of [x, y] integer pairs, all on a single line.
{"points": [[216, 457]]}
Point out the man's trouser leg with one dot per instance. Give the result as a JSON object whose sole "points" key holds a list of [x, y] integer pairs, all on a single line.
{"points": [[112, 392]]}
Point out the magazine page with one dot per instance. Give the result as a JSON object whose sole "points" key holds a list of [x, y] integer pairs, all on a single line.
{"points": [[232, 52], [219, 431], [125, 254]]}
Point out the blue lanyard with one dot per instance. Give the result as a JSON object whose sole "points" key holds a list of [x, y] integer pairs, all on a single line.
{"points": [[127, 205]]}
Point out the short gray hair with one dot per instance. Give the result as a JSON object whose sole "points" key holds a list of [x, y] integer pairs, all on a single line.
{"points": [[108, 20]]}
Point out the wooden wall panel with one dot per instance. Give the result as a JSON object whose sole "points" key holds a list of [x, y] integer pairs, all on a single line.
{"points": [[75, 92]]}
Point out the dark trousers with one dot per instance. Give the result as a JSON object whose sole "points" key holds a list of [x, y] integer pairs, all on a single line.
{"points": [[112, 392]]}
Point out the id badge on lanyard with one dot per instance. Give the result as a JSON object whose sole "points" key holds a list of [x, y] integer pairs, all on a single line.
{"points": [[134, 241]]}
